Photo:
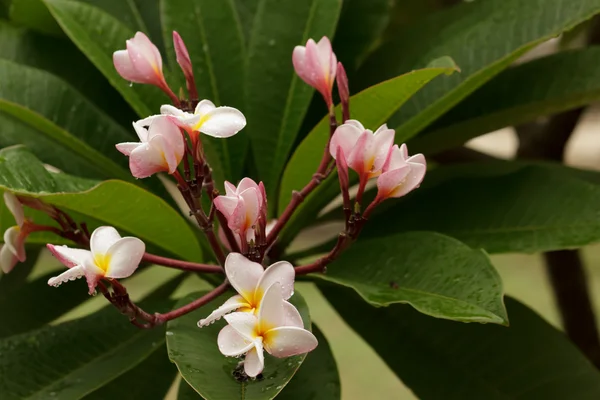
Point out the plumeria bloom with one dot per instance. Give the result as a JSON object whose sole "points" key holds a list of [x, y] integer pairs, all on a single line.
{"points": [[401, 173], [242, 206], [365, 152], [219, 122], [111, 256], [141, 62], [250, 334], [161, 148], [251, 281], [13, 250], [316, 65]]}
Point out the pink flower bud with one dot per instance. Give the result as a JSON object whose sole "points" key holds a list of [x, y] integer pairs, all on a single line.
{"points": [[13, 249], [184, 61], [402, 173], [316, 65], [161, 148], [241, 206], [141, 62], [343, 90], [365, 152]]}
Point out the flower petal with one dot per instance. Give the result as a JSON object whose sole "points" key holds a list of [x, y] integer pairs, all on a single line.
{"points": [[246, 183], [204, 107], [168, 109], [146, 60], [230, 305], [150, 158], [230, 189], [251, 207], [358, 157], [292, 315], [223, 122], [125, 256], [345, 136], [14, 206], [102, 238], [7, 259], [127, 147], [243, 275], [289, 341], [384, 140], [226, 204], [68, 256], [254, 363], [231, 343], [411, 181], [281, 272], [244, 323], [124, 66], [270, 310], [389, 181], [11, 240], [69, 275], [300, 64]]}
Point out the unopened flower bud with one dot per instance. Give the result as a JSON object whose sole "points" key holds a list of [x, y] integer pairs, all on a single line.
{"points": [[316, 63]]}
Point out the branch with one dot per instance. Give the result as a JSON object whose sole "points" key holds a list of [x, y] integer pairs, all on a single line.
{"points": [[184, 265], [321, 263]]}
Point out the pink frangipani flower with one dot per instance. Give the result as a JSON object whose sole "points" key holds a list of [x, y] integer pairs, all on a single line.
{"points": [[13, 250], [141, 62], [242, 206], [316, 64], [401, 173], [251, 282], [110, 256], [160, 149], [251, 334]]}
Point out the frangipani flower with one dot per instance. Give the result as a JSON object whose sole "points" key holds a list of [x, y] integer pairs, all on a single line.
{"points": [[251, 281], [141, 62], [161, 148], [365, 152], [219, 122], [111, 256], [402, 173], [242, 206], [250, 334], [316, 65], [13, 249]]}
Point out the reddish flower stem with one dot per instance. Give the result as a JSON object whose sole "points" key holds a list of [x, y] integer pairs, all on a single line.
{"points": [[319, 265], [184, 265], [207, 298]]}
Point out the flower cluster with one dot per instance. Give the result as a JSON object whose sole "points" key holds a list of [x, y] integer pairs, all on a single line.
{"points": [[259, 317]]}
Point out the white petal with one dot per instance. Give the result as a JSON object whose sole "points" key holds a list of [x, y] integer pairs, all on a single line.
{"points": [[204, 107], [125, 256], [68, 256], [245, 324], [15, 207], [223, 122], [11, 239], [289, 341], [281, 272], [69, 275], [127, 147], [231, 343], [170, 110], [102, 238], [230, 189], [270, 311], [292, 315], [7, 259], [230, 305], [243, 275], [254, 363], [140, 130]]}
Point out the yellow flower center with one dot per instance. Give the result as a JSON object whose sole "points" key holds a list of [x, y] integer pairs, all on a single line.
{"points": [[102, 261], [201, 122]]}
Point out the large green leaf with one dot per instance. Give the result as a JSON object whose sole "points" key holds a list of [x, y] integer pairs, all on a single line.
{"points": [[120, 204], [72, 359], [317, 378], [447, 360], [436, 274], [372, 107], [277, 99], [209, 372], [213, 36], [518, 211], [58, 124], [544, 86], [85, 24], [483, 37]]}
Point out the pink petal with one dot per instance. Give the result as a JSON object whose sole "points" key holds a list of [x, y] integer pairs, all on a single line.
{"points": [[7, 259], [226, 204], [345, 137], [254, 362], [289, 341], [390, 180], [68, 256], [148, 68], [231, 343], [148, 48], [128, 147], [150, 158], [270, 310], [281, 272], [230, 305], [125, 256], [300, 64], [384, 140], [230, 189], [14, 206], [140, 130], [237, 221], [358, 157], [124, 67], [243, 275], [246, 183], [411, 181], [182, 56], [328, 60], [251, 205]]}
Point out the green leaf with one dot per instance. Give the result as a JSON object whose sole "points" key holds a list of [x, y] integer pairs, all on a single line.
{"points": [[503, 28], [518, 211], [22, 173], [545, 86], [372, 106], [440, 359], [75, 358], [151, 379], [33, 14], [436, 274], [213, 35], [317, 378], [84, 24], [58, 124], [209, 372], [277, 99], [246, 10]]}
